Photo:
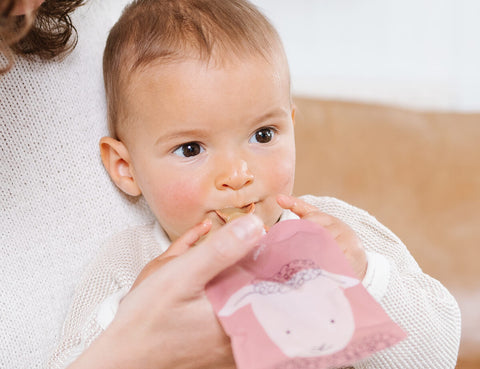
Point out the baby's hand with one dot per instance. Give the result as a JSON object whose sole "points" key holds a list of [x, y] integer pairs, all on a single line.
{"points": [[182, 244], [341, 232]]}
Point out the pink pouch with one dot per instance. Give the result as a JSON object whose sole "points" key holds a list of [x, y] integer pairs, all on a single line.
{"points": [[295, 303]]}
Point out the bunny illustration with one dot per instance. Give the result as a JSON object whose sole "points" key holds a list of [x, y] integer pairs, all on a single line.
{"points": [[308, 315]]}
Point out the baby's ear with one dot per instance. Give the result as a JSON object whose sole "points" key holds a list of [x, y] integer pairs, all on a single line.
{"points": [[116, 159]]}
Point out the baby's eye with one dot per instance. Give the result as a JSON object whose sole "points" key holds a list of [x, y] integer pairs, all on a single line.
{"points": [[189, 149], [263, 135]]}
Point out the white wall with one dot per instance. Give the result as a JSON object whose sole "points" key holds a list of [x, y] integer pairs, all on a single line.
{"points": [[421, 54]]}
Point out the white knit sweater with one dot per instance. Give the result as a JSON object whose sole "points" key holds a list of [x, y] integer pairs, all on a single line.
{"points": [[57, 203], [417, 302]]}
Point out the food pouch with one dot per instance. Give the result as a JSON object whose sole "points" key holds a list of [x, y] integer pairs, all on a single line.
{"points": [[294, 302]]}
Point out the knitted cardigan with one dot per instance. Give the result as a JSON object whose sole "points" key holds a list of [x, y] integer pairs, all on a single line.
{"points": [[57, 202], [417, 302]]}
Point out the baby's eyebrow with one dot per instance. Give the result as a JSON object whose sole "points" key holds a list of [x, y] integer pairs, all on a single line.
{"points": [[194, 133], [198, 133], [275, 113]]}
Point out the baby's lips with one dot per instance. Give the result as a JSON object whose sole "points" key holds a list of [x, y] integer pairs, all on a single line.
{"points": [[229, 214]]}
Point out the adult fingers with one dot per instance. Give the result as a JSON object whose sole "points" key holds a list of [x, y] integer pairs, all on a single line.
{"points": [[182, 244], [219, 251], [188, 239], [151, 268]]}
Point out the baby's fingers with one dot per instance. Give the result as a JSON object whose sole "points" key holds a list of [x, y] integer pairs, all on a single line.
{"points": [[304, 210]]}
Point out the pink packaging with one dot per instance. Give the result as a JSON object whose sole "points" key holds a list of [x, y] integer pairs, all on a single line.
{"points": [[295, 303]]}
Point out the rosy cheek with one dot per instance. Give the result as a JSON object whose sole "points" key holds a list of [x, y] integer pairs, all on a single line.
{"points": [[180, 203], [283, 174]]}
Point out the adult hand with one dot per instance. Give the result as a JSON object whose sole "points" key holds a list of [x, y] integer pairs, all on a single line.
{"points": [[180, 246], [341, 232], [167, 320]]}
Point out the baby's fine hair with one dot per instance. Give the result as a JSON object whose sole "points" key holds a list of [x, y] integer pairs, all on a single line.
{"points": [[169, 31]]}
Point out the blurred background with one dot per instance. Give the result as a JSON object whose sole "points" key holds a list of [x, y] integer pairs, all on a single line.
{"points": [[388, 119]]}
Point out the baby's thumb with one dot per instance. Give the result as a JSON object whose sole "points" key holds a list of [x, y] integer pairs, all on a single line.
{"points": [[221, 250]]}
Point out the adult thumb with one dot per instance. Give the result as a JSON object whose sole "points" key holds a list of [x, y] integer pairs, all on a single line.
{"points": [[220, 250]]}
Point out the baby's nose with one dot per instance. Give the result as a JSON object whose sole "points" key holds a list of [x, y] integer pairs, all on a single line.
{"points": [[234, 176]]}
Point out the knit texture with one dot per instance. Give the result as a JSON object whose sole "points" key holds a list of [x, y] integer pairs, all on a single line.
{"points": [[415, 301], [57, 202]]}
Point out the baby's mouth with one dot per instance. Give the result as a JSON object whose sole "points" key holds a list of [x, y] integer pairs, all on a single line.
{"points": [[229, 214]]}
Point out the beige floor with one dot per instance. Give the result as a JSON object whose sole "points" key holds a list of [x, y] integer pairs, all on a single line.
{"points": [[418, 173]]}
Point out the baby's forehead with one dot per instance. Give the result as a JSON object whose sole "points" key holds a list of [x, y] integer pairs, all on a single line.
{"points": [[177, 83], [276, 62]]}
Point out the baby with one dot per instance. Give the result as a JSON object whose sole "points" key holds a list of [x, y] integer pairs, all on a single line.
{"points": [[202, 125]]}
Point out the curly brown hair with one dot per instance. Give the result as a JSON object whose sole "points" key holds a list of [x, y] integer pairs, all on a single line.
{"points": [[47, 33]]}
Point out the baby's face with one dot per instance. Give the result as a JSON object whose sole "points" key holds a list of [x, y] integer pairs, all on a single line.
{"points": [[209, 138]]}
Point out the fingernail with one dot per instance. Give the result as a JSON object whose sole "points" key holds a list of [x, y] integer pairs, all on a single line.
{"points": [[206, 222], [247, 227]]}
